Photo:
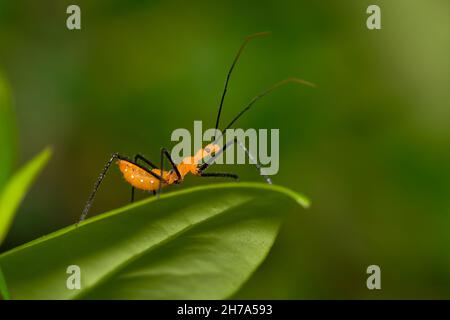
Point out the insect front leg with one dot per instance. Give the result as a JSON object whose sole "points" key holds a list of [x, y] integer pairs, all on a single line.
{"points": [[252, 159], [220, 175]]}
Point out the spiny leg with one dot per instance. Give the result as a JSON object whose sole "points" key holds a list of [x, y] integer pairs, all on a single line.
{"points": [[211, 160], [97, 185], [102, 176], [253, 160], [220, 174], [142, 158]]}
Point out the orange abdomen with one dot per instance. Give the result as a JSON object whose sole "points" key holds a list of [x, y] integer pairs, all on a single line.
{"points": [[139, 178]]}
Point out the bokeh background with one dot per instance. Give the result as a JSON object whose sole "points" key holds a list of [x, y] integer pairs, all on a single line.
{"points": [[370, 146]]}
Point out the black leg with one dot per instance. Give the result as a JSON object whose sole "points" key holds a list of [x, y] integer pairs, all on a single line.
{"points": [[132, 195], [220, 174], [210, 161], [114, 156], [174, 166], [157, 176], [165, 153], [141, 157], [136, 159], [254, 161], [97, 185], [250, 156], [161, 173]]}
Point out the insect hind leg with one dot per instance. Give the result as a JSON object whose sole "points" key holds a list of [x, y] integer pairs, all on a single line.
{"points": [[100, 178], [102, 175]]}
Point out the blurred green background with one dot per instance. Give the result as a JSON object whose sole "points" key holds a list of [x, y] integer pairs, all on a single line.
{"points": [[370, 146]]}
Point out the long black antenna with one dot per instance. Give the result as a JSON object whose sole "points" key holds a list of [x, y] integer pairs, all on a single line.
{"points": [[262, 94], [247, 39]]}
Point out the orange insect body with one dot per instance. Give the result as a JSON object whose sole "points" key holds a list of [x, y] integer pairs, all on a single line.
{"points": [[138, 177], [154, 179], [141, 179]]}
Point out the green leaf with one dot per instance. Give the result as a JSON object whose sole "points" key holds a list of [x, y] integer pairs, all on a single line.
{"points": [[3, 288], [7, 133], [198, 243], [16, 188]]}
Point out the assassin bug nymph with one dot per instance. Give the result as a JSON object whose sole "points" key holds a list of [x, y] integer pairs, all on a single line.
{"points": [[152, 178]]}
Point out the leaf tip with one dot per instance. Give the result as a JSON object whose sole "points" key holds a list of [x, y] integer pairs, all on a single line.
{"points": [[303, 201], [47, 152]]}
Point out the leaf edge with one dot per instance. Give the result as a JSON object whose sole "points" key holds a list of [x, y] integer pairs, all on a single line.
{"points": [[300, 199]]}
